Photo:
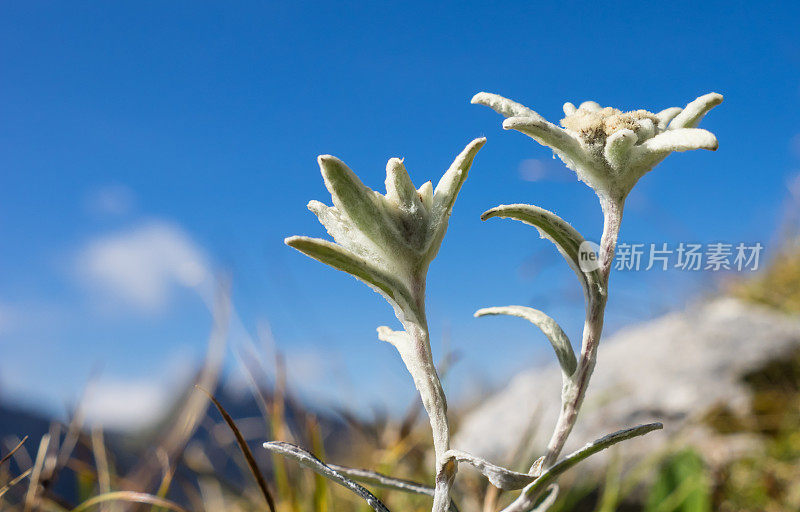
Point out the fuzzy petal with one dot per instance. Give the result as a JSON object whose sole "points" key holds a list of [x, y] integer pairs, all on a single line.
{"points": [[342, 231], [683, 139], [591, 106], [358, 202], [503, 106], [426, 195], [666, 116], [444, 196], [447, 189], [694, 111], [399, 188], [618, 148], [549, 135]]}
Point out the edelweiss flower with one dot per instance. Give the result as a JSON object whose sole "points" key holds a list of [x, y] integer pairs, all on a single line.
{"points": [[386, 241], [607, 148]]}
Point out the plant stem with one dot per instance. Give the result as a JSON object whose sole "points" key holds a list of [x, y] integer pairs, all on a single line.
{"points": [[574, 389], [419, 360]]}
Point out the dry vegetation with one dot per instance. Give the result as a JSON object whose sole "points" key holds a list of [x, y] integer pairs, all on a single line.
{"points": [[194, 462]]}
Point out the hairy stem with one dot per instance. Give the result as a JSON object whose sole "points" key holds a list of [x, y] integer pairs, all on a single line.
{"points": [[417, 356], [419, 361], [574, 389]]}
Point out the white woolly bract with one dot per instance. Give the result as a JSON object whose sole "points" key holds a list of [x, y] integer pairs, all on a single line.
{"points": [[609, 149]]}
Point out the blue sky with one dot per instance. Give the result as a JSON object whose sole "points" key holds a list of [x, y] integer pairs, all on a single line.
{"points": [[147, 145]]}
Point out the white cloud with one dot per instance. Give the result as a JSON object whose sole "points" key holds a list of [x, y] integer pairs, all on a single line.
{"points": [[128, 404], [110, 200], [143, 264]]}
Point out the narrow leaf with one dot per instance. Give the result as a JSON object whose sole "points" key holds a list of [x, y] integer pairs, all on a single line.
{"points": [[13, 450], [532, 492], [552, 227], [444, 195], [308, 460], [25, 474], [248, 455], [389, 482], [555, 334], [500, 477], [341, 259], [381, 480]]}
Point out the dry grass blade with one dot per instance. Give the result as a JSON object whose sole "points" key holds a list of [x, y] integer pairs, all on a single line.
{"points": [[168, 471], [74, 431], [30, 496], [101, 461], [194, 407], [13, 450], [248, 455], [311, 462], [130, 496], [15, 481]]}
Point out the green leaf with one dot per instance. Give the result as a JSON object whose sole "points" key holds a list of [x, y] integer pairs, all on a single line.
{"points": [[552, 227], [550, 328]]}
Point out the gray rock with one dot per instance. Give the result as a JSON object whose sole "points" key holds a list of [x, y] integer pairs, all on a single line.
{"points": [[671, 369]]}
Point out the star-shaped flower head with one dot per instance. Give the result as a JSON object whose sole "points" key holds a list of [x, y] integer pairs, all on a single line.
{"points": [[610, 149], [386, 241]]}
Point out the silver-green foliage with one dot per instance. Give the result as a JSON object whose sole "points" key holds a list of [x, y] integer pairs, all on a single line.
{"points": [[389, 240]]}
